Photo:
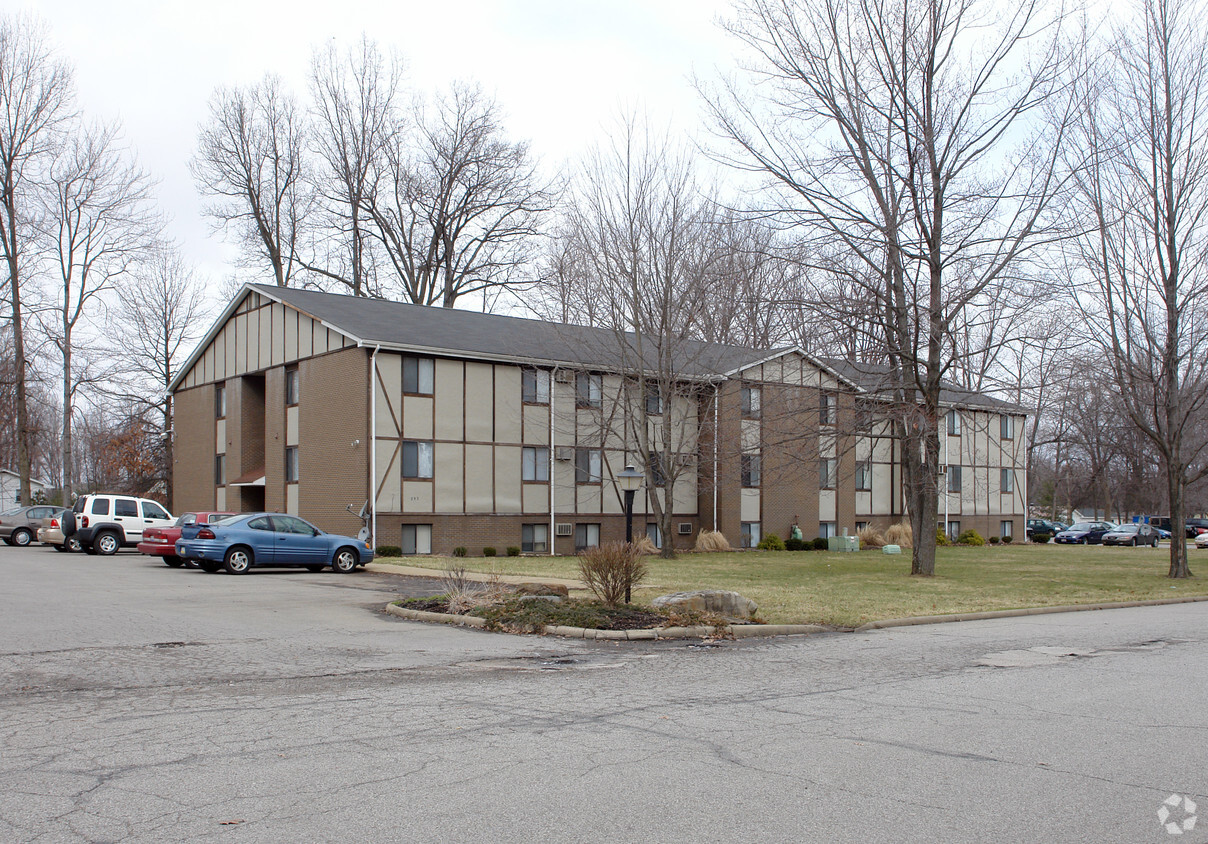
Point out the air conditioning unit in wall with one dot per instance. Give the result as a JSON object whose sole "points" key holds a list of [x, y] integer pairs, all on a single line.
{"points": [[564, 452], [564, 376], [685, 528], [563, 529]]}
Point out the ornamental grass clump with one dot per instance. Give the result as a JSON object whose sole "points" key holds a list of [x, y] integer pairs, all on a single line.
{"points": [[900, 534], [711, 542], [871, 538], [612, 570]]}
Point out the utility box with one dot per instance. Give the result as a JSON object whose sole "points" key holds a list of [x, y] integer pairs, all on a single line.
{"points": [[843, 543], [891, 549]]}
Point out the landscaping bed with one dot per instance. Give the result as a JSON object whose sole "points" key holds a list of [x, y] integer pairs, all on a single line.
{"points": [[529, 615]]}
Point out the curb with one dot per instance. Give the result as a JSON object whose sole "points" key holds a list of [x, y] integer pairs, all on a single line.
{"points": [[736, 631], [981, 616]]}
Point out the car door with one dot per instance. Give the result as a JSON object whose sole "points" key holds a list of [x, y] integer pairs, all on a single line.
{"points": [[259, 534], [155, 516], [297, 543], [35, 515], [125, 513]]}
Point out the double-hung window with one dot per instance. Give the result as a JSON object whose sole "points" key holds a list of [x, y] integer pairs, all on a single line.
{"points": [[418, 375], [417, 459], [587, 465], [751, 470], [588, 390], [534, 386], [534, 463]]}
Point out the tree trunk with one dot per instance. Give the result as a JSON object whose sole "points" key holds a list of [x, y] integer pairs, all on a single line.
{"points": [[1178, 525], [67, 411]]}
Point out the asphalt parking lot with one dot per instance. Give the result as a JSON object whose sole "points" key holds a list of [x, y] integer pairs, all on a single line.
{"points": [[143, 703]]}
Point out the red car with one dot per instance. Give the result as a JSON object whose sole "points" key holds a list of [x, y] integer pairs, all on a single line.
{"points": [[161, 542]]}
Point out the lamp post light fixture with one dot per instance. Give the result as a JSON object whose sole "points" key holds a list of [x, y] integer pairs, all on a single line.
{"points": [[630, 481]]}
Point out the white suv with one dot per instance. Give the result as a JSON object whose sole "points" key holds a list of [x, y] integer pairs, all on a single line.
{"points": [[104, 523]]}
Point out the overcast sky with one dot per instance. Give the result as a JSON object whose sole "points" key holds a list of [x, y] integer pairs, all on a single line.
{"points": [[561, 69]]}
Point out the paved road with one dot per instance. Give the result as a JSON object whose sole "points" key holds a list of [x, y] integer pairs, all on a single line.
{"points": [[141, 703]]}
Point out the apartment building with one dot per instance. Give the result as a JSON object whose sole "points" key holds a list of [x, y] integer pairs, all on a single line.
{"points": [[476, 430]]}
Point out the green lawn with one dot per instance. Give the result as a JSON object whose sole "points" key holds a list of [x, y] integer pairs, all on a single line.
{"points": [[847, 590]]}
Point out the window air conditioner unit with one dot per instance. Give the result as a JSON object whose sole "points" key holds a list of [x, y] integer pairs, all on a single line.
{"points": [[685, 528], [564, 376], [564, 452], [563, 529]]}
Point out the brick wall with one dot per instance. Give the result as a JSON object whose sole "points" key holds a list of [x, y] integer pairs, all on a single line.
{"points": [[193, 470]]}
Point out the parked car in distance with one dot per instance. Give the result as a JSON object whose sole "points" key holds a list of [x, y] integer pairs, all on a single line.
{"points": [[1084, 533], [51, 533], [1133, 534], [20, 525], [104, 523], [161, 541], [1043, 526], [1196, 527], [1201, 541], [269, 539]]}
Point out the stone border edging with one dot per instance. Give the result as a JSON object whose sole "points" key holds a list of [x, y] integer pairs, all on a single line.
{"points": [[981, 616], [738, 631]]}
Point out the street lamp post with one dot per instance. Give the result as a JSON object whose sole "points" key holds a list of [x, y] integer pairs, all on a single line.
{"points": [[629, 479]]}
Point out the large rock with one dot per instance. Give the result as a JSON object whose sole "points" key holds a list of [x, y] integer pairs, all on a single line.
{"points": [[723, 602], [541, 589]]}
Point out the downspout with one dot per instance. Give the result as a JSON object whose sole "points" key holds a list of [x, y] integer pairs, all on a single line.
{"points": [[552, 526], [716, 425], [373, 445]]}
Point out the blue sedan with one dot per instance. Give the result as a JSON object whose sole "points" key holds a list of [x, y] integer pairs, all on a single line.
{"points": [[269, 539]]}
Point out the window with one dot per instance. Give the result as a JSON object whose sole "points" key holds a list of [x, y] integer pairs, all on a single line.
{"points": [[954, 530], [827, 529], [1007, 480], [534, 464], [864, 475], [752, 402], [291, 386], [417, 375], [416, 539], [151, 510], [1006, 430], [417, 459], [587, 465], [750, 470], [534, 538], [654, 399], [828, 469], [534, 386], [954, 424], [827, 409], [658, 474], [292, 524], [291, 464], [100, 506], [1006, 527], [954, 479], [587, 536], [861, 526], [219, 469], [655, 534], [750, 534], [261, 523], [587, 390], [220, 401], [125, 507]]}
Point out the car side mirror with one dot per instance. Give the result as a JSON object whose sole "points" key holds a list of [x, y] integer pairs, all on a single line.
{"points": [[316, 532]]}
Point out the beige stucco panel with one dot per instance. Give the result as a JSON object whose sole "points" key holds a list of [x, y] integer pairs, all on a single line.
{"points": [[826, 505], [417, 496], [291, 425], [220, 437], [564, 486], [450, 399], [449, 477], [685, 493], [590, 499], [220, 498], [507, 404], [479, 408], [417, 417], [882, 489], [536, 498], [536, 424], [749, 508], [480, 491], [389, 387], [389, 477], [507, 479]]}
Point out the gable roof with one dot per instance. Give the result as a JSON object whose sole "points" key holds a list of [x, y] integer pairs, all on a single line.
{"points": [[874, 379]]}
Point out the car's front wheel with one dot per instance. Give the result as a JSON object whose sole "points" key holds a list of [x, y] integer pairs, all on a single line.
{"points": [[237, 560], [345, 560], [22, 537], [107, 544]]}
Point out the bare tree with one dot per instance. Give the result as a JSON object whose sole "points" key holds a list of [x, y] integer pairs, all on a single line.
{"points": [[458, 210], [98, 222], [251, 162], [1144, 189], [355, 119], [35, 100], [909, 134], [160, 312]]}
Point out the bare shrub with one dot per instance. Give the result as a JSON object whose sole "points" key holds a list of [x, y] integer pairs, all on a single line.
{"points": [[612, 570], [463, 592], [900, 534], [871, 538], [711, 541]]}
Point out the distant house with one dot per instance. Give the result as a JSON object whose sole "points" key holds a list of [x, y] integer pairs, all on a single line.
{"points": [[468, 429], [10, 488]]}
